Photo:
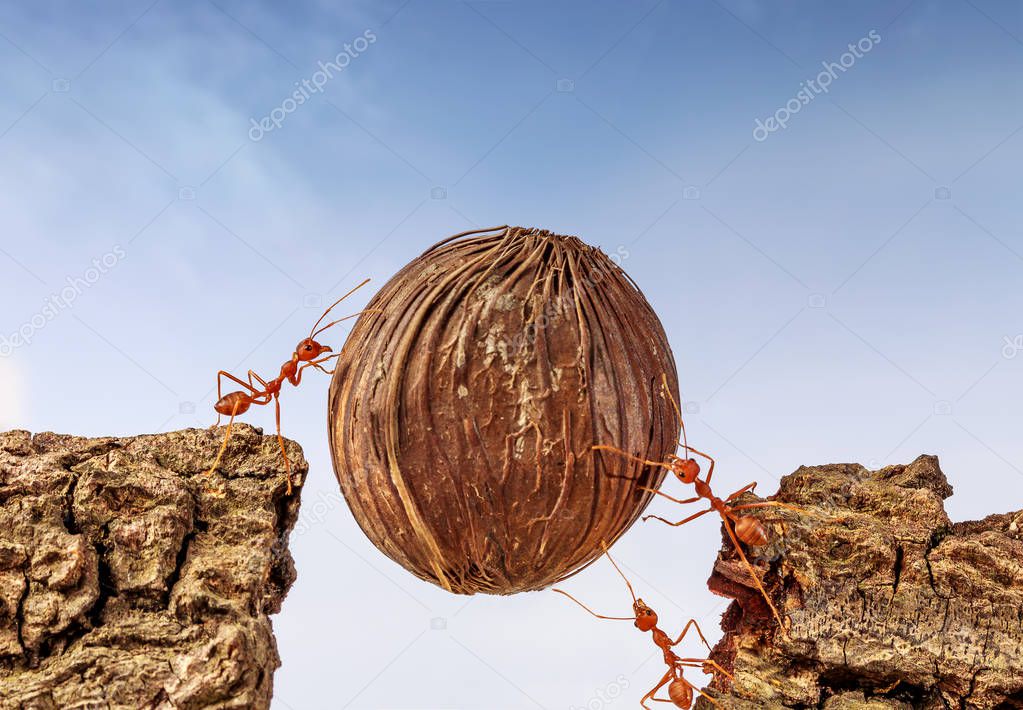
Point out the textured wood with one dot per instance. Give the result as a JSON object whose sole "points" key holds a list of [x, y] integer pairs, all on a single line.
{"points": [[129, 581], [891, 605], [463, 412]]}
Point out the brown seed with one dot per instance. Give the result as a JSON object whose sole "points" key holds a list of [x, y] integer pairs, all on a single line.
{"points": [[462, 415]]}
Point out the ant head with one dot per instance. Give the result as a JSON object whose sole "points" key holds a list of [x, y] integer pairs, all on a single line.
{"points": [[646, 618], [309, 349], [687, 470]]}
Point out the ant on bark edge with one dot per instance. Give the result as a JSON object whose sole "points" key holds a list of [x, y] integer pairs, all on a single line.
{"points": [[687, 470], [307, 354], [680, 690]]}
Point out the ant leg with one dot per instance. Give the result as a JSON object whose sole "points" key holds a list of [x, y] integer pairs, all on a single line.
{"points": [[769, 504], [252, 375], [223, 445], [311, 363], [680, 522], [318, 365], [599, 616], [280, 440], [709, 699], [625, 454], [749, 488], [752, 573], [762, 504], [670, 675], [692, 622], [686, 501], [646, 462], [703, 664], [228, 375]]}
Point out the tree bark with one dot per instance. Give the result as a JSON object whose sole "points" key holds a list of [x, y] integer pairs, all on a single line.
{"points": [[889, 604], [129, 580]]}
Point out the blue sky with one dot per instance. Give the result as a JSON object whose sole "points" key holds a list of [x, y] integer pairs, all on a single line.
{"points": [[847, 289]]}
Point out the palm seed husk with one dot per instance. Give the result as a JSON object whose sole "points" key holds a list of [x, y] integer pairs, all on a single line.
{"points": [[466, 402]]}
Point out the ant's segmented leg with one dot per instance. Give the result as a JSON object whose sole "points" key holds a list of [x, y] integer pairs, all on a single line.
{"points": [[683, 501], [703, 664], [280, 440], [253, 376], [711, 700], [747, 488], [318, 364], [669, 676], [692, 623], [770, 504], [762, 504], [223, 444], [680, 522], [625, 454], [599, 616], [752, 572]]}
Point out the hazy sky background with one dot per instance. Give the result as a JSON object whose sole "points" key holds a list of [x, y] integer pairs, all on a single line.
{"points": [[846, 290]]}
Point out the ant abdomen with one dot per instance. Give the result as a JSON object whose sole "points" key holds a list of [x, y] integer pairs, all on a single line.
{"points": [[681, 694], [751, 531], [233, 403]]}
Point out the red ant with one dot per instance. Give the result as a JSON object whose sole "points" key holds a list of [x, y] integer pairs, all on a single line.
{"points": [[680, 690], [307, 354], [746, 528]]}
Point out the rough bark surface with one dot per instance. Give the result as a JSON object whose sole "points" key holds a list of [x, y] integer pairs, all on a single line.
{"points": [[129, 580], [890, 604]]}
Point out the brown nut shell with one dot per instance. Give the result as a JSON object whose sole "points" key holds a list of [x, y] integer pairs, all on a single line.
{"points": [[462, 415]]}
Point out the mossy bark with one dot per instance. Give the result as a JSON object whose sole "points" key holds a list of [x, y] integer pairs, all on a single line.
{"points": [[130, 580]]}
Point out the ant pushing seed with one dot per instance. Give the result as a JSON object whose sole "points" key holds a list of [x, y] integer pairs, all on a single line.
{"points": [[739, 527], [680, 690], [307, 354]]}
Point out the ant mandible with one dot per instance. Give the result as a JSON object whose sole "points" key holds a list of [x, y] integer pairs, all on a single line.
{"points": [[307, 354], [687, 470], [680, 690]]}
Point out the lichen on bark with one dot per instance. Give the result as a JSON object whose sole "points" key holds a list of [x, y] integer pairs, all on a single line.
{"points": [[130, 580]]}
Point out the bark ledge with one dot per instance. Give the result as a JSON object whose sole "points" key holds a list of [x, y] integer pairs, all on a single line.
{"points": [[129, 580], [890, 604]]}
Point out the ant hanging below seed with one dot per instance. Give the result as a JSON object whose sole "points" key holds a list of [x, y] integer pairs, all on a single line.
{"points": [[680, 690], [739, 527], [307, 354]]}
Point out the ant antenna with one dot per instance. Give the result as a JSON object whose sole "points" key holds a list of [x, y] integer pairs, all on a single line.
{"points": [[682, 421], [354, 315], [627, 583], [599, 616], [311, 333]]}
